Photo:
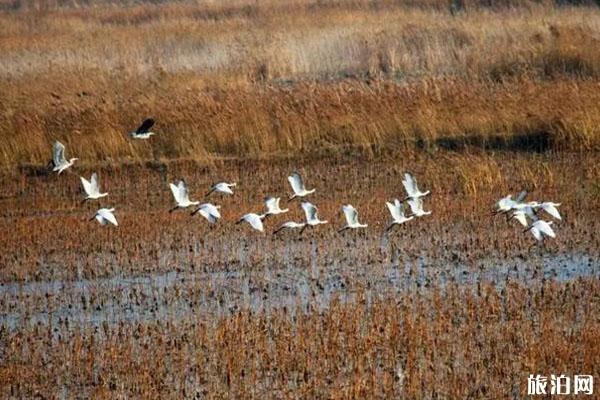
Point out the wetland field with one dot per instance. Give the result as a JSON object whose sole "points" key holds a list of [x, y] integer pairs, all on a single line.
{"points": [[476, 99]]}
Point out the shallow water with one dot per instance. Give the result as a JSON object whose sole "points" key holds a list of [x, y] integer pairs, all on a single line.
{"points": [[207, 295]]}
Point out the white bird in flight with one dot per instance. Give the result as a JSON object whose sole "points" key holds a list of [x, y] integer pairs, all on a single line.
{"points": [[59, 161], [397, 211], [351, 218], [105, 216], [298, 186], [311, 215], [416, 206], [254, 220], [311, 219], [208, 211], [181, 195], [143, 131], [410, 184], [91, 188], [541, 229], [506, 204], [273, 208], [221, 187], [290, 225]]}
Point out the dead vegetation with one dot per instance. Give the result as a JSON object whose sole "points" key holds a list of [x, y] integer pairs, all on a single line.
{"points": [[287, 78], [456, 343]]}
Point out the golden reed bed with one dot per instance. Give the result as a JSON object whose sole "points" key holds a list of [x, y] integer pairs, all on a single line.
{"points": [[282, 78]]}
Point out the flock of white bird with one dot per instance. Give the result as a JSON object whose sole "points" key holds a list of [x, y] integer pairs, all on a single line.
{"points": [[524, 212], [513, 208]]}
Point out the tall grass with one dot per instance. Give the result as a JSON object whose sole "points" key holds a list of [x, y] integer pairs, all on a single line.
{"points": [[309, 119], [242, 79]]}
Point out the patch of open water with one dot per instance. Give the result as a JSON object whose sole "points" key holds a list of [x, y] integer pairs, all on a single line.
{"points": [[175, 296]]}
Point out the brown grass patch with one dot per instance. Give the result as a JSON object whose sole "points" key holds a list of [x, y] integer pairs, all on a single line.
{"points": [[281, 79]]}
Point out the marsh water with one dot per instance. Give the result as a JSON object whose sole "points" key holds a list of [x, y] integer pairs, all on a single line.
{"points": [[205, 295]]}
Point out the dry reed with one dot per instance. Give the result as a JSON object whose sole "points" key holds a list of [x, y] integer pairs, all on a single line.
{"points": [[296, 78]]}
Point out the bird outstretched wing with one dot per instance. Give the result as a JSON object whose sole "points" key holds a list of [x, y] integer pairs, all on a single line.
{"points": [[183, 190], [416, 205], [410, 184], [289, 225], [58, 153], [272, 204], [175, 191], [145, 126], [211, 209], [94, 183], [224, 187], [296, 181], [396, 209], [545, 228], [351, 214], [520, 216], [536, 233], [309, 210], [109, 216], [505, 203], [551, 209], [255, 221], [208, 211], [87, 185]]}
